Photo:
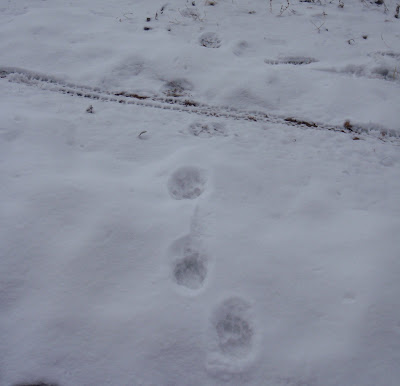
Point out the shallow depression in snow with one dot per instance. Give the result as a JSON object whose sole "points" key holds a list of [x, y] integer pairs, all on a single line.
{"points": [[191, 271], [287, 272], [207, 130], [189, 263], [233, 327], [210, 40], [187, 182]]}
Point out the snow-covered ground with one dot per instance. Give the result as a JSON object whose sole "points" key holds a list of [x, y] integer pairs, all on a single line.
{"points": [[190, 235]]}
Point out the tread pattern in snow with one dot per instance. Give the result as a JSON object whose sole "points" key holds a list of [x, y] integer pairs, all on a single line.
{"points": [[180, 104]]}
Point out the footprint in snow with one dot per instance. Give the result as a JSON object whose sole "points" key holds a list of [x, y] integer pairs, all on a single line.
{"points": [[241, 48], [207, 130], [210, 40], [177, 88], [187, 183], [390, 54], [234, 332], [231, 338], [189, 263]]}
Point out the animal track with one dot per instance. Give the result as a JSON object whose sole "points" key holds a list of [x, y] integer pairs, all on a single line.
{"points": [[189, 266], [232, 340], [191, 270], [210, 40], [241, 47], [192, 13], [294, 60], [383, 71], [187, 182], [383, 65], [390, 54], [233, 329], [177, 88], [205, 130]]}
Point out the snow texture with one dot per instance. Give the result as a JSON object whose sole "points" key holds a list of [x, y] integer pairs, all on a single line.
{"points": [[199, 193]]}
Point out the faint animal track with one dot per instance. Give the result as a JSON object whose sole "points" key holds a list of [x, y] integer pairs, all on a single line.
{"points": [[205, 130], [234, 331], [241, 47], [387, 161], [188, 182], [189, 265], [132, 66], [124, 72], [210, 40], [192, 13], [390, 54], [386, 72], [385, 66], [177, 88], [294, 60], [388, 64]]}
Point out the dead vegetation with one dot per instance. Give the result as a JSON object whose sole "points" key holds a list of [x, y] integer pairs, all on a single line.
{"points": [[300, 122], [130, 95]]}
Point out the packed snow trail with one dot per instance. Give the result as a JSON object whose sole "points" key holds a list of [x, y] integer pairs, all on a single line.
{"points": [[181, 104]]}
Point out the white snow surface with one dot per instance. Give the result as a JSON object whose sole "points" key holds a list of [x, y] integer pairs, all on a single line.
{"points": [[159, 246]]}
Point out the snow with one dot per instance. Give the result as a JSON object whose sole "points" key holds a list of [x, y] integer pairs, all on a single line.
{"points": [[180, 236]]}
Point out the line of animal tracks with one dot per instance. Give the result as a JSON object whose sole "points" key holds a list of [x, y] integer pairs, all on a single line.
{"points": [[182, 104]]}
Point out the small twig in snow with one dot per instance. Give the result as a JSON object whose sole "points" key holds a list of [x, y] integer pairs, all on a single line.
{"points": [[317, 27], [396, 15], [385, 42], [365, 4], [284, 8]]}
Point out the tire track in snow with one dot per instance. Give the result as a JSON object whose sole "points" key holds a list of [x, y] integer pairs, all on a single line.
{"points": [[180, 104]]}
